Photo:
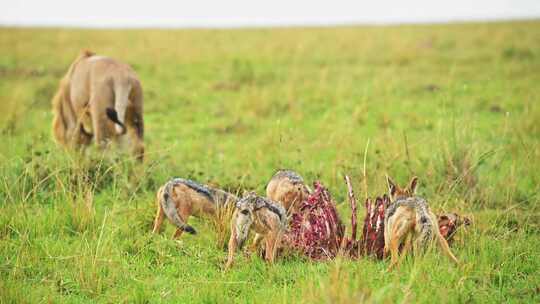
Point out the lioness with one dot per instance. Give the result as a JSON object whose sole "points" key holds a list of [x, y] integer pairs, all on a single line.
{"points": [[95, 94]]}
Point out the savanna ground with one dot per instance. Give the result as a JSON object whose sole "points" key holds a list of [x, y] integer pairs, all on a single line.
{"points": [[457, 105]]}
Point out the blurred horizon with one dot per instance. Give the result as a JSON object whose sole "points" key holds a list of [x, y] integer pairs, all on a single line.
{"points": [[245, 13]]}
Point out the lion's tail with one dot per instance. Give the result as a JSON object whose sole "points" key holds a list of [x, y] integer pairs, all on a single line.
{"points": [[170, 209], [121, 100]]}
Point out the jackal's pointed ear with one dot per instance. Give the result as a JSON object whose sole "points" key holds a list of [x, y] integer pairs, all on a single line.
{"points": [[413, 185], [392, 187]]}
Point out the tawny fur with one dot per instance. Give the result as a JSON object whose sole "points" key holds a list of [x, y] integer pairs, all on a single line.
{"points": [[93, 89], [181, 198], [410, 224], [267, 218], [287, 188]]}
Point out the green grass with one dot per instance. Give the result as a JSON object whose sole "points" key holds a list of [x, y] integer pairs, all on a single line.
{"points": [[457, 105]]}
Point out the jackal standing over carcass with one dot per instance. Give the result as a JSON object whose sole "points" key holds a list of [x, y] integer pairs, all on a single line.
{"points": [[287, 188], [409, 222], [266, 217]]}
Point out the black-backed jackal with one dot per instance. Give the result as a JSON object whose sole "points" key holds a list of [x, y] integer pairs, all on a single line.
{"points": [[409, 222], [180, 198], [287, 188], [267, 218]]}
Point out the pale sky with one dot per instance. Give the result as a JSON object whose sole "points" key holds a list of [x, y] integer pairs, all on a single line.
{"points": [[237, 13]]}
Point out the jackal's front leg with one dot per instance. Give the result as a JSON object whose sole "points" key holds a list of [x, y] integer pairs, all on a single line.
{"points": [[160, 215], [272, 243], [268, 254], [256, 242], [232, 248]]}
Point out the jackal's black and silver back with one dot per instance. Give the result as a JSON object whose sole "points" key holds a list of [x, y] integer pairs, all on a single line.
{"points": [[216, 196], [255, 203], [289, 174]]}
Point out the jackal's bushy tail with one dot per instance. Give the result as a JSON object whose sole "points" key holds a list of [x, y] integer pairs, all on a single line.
{"points": [[425, 224], [429, 230], [169, 208]]}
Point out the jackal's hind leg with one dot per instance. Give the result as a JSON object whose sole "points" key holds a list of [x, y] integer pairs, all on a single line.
{"points": [[184, 212], [396, 239], [407, 245], [387, 234], [178, 232]]}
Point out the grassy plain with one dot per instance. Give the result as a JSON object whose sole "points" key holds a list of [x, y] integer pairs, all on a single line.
{"points": [[457, 105]]}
